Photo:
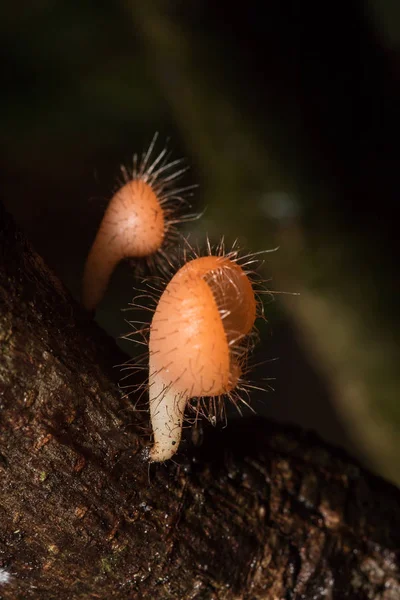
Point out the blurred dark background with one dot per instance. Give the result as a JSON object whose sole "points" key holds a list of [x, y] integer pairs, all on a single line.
{"points": [[288, 114]]}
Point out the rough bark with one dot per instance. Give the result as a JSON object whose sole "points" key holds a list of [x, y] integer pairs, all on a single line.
{"points": [[257, 511]]}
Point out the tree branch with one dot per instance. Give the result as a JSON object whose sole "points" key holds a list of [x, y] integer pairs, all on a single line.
{"points": [[257, 511]]}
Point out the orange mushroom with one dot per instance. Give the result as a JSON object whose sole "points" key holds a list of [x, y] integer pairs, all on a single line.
{"points": [[138, 222], [197, 336]]}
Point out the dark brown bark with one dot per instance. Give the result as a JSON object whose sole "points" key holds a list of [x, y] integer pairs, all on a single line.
{"points": [[257, 511]]}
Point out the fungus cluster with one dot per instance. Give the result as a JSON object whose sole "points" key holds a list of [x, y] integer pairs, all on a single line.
{"points": [[202, 324]]}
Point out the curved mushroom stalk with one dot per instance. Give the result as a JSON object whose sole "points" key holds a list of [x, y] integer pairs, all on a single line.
{"points": [[103, 258], [167, 408]]}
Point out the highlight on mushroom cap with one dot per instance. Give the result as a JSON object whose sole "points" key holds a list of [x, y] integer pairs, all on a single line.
{"points": [[136, 220]]}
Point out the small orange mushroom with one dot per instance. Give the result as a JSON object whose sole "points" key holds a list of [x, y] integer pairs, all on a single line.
{"points": [[138, 221], [203, 317]]}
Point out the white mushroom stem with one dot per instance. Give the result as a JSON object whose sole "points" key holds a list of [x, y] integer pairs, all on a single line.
{"points": [[167, 407]]}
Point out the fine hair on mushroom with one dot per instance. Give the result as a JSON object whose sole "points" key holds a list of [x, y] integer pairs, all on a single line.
{"points": [[201, 332], [140, 221]]}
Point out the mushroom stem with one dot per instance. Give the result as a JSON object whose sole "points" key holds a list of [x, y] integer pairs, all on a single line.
{"points": [[167, 407], [98, 270]]}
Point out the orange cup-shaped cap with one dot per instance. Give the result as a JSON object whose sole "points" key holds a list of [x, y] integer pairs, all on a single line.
{"points": [[207, 308], [133, 226]]}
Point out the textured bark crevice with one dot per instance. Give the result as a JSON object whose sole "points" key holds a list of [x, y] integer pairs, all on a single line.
{"points": [[258, 511]]}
